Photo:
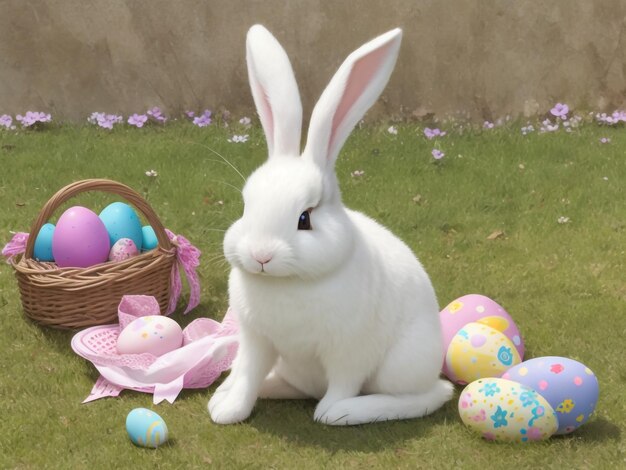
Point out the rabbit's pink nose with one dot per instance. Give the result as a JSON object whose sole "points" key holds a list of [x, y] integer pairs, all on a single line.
{"points": [[262, 258]]}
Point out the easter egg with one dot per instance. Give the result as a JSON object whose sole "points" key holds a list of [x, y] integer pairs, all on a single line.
{"points": [[154, 334], [504, 410], [150, 241], [146, 428], [570, 387], [80, 239], [478, 351], [123, 249], [121, 221], [43, 243], [481, 309]]}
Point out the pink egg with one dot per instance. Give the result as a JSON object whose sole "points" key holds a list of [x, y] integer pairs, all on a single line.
{"points": [[80, 239], [476, 308], [123, 249]]}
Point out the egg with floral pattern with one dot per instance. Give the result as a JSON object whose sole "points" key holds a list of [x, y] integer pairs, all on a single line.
{"points": [[476, 308], [570, 387], [478, 351], [503, 410], [123, 249]]}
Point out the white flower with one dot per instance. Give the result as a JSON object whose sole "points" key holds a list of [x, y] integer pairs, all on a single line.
{"points": [[151, 173], [238, 139], [563, 220], [393, 130], [245, 121], [357, 173]]}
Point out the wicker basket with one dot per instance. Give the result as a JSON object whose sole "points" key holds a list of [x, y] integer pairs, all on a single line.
{"points": [[81, 297]]}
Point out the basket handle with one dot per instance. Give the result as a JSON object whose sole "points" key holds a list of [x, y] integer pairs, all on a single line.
{"points": [[104, 185]]}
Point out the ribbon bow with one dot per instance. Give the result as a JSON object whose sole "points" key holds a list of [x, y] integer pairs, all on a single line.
{"points": [[188, 256]]}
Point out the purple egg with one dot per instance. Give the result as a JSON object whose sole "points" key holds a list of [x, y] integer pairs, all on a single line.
{"points": [[570, 387], [80, 239]]}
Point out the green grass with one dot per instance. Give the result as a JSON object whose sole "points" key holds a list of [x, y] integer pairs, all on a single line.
{"points": [[563, 284]]}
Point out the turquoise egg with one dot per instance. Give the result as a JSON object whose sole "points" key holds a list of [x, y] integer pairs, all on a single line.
{"points": [[150, 241], [43, 243], [121, 221], [146, 428]]}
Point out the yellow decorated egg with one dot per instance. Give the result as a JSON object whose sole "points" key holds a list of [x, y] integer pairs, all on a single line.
{"points": [[504, 410], [478, 350]]}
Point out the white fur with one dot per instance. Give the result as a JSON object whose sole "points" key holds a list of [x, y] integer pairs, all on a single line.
{"points": [[344, 312]]}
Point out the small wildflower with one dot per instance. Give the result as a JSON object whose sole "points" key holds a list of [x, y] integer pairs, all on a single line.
{"points": [[137, 120], [6, 121], [488, 125], [605, 140], [528, 129], [547, 126], [190, 114], [393, 130], [563, 220], [33, 117], [151, 173], [605, 178], [560, 110], [238, 139], [156, 114], [204, 119], [432, 133], [245, 121], [437, 154], [357, 173]]}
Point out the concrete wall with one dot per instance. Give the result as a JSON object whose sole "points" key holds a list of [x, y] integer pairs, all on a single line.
{"points": [[490, 58]]}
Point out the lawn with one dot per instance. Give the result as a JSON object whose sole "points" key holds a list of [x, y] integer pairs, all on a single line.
{"points": [[537, 222]]}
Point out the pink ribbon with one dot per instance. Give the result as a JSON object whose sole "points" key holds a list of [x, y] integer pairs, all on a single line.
{"points": [[187, 256], [16, 246]]}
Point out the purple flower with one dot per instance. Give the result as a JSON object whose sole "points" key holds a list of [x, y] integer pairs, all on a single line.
{"points": [[432, 133], [156, 114], [560, 110], [137, 120], [488, 125], [437, 154], [204, 119], [190, 114], [106, 121], [6, 121], [33, 117], [246, 121], [605, 140]]}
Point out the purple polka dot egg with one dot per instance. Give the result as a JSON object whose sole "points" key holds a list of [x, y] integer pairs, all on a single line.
{"points": [[480, 339], [571, 388]]}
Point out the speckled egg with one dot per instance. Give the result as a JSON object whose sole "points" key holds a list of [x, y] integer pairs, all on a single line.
{"points": [[121, 221], [569, 386], [43, 243], [478, 351], [123, 249], [146, 428], [481, 309], [503, 410], [154, 334]]}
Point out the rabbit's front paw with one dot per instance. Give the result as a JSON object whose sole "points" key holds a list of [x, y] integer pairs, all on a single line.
{"points": [[228, 407]]}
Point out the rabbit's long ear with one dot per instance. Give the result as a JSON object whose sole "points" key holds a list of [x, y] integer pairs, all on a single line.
{"points": [[354, 88], [275, 92]]}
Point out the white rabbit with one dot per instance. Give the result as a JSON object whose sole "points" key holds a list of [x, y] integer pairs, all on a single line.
{"points": [[331, 304]]}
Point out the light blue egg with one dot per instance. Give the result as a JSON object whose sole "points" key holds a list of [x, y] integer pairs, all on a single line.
{"points": [[121, 221], [150, 241], [146, 428], [43, 243]]}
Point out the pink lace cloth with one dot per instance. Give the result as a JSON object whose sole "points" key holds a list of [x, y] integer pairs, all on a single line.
{"points": [[187, 257], [208, 349]]}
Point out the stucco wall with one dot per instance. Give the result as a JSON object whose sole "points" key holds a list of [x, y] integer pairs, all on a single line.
{"points": [[490, 58]]}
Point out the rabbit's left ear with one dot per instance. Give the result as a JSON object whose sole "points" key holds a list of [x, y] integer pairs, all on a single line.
{"points": [[352, 91], [275, 92]]}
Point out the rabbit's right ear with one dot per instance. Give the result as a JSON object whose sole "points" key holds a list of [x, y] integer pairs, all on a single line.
{"points": [[275, 92]]}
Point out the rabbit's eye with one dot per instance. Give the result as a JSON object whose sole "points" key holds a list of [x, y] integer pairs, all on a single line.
{"points": [[304, 223]]}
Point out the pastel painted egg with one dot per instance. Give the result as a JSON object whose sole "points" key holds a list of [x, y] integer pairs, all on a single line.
{"points": [[154, 334], [121, 221], [503, 410], [569, 386], [80, 239], [478, 351], [146, 428], [481, 309], [123, 249], [150, 241], [43, 243]]}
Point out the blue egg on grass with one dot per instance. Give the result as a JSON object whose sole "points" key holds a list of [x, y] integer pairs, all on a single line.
{"points": [[150, 241], [146, 428], [43, 243], [122, 221]]}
